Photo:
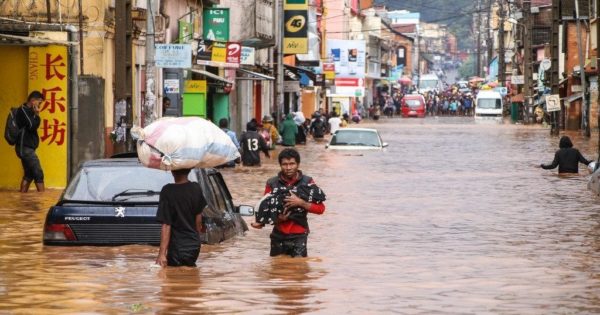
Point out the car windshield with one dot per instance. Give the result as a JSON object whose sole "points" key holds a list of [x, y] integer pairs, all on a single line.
{"points": [[489, 103], [123, 183], [413, 103], [355, 137], [428, 84]]}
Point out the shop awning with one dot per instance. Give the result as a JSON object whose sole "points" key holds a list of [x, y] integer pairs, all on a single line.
{"points": [[572, 98], [34, 40], [211, 75], [297, 71], [255, 75]]}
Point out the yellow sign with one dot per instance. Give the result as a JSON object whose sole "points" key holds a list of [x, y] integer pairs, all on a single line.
{"points": [[195, 86], [295, 35], [48, 73], [219, 52]]}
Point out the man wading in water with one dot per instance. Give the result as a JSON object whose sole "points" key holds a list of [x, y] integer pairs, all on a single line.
{"points": [[290, 236], [566, 158]]}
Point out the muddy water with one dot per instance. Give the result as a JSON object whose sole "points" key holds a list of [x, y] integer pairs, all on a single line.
{"points": [[453, 217]]}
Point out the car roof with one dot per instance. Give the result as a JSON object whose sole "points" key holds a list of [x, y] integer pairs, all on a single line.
{"points": [[125, 162], [112, 162], [358, 129]]}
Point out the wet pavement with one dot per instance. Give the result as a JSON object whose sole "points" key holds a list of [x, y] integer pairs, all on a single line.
{"points": [[453, 217]]}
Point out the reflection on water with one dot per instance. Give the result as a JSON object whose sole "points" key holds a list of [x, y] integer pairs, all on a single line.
{"points": [[453, 217]]}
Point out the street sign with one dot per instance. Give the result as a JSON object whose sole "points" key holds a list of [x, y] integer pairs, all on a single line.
{"points": [[517, 79], [546, 64], [553, 103]]}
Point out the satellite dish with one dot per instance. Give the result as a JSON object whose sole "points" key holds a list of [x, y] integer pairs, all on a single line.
{"points": [[545, 64]]}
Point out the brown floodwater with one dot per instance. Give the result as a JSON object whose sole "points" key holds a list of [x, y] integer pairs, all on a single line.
{"points": [[454, 217]]}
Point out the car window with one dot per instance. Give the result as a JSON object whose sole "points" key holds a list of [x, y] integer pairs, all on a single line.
{"points": [[355, 137], [224, 192], [124, 183], [218, 195]]}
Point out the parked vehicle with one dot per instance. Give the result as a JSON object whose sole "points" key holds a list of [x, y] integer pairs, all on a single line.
{"points": [[413, 105], [356, 139], [114, 202], [429, 82], [488, 104]]}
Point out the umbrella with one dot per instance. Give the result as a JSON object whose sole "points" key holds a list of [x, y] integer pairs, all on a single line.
{"points": [[476, 79], [405, 80]]}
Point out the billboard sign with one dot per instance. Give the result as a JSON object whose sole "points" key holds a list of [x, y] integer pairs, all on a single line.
{"points": [[295, 33], [215, 24], [219, 54], [348, 57], [173, 55]]}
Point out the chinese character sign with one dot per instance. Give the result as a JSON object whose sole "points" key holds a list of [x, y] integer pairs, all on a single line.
{"points": [[48, 73]]}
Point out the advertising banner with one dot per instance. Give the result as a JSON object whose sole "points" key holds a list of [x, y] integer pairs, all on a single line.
{"points": [[348, 57], [173, 55], [248, 56], [48, 73], [215, 24], [219, 54], [295, 34]]}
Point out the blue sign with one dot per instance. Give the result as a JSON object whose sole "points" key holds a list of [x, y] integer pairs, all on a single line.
{"points": [[173, 56]]}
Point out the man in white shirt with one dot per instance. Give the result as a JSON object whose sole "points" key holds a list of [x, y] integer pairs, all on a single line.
{"points": [[334, 123]]}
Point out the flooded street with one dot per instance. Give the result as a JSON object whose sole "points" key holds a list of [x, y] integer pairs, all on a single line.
{"points": [[453, 217]]}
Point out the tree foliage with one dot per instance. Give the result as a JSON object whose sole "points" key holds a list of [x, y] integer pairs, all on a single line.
{"points": [[456, 14]]}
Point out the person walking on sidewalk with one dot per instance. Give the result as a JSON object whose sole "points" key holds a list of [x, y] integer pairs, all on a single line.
{"points": [[28, 121]]}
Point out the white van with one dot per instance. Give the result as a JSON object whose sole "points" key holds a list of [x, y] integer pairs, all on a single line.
{"points": [[429, 82], [488, 104]]}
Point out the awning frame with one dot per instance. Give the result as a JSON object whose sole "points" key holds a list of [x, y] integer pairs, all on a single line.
{"points": [[257, 75], [211, 75]]}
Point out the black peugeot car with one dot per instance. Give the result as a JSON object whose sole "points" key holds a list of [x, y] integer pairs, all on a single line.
{"points": [[114, 202]]}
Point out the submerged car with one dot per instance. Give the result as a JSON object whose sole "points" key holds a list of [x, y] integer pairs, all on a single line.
{"points": [[114, 202], [356, 139]]}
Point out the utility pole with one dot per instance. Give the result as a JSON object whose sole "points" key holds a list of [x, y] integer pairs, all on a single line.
{"points": [[150, 101], [527, 97], [279, 21], [80, 8], [489, 41], [478, 25], [585, 123], [554, 130], [501, 63]]}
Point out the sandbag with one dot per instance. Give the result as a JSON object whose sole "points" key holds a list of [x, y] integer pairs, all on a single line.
{"points": [[173, 143]]}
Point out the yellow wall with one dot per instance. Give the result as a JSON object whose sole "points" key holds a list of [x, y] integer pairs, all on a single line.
{"points": [[13, 92]]}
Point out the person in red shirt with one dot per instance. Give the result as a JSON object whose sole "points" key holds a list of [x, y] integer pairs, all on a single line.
{"points": [[289, 236]]}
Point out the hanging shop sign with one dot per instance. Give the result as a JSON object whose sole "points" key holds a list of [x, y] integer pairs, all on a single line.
{"points": [[295, 34], [553, 103], [219, 54], [247, 57], [215, 24], [173, 56]]}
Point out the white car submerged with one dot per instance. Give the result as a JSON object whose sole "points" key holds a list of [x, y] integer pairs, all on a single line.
{"points": [[356, 139]]}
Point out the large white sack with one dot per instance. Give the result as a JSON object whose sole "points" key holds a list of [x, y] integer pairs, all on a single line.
{"points": [[173, 143]]}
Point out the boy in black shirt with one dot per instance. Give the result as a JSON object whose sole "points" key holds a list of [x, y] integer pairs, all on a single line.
{"points": [[252, 143], [180, 212]]}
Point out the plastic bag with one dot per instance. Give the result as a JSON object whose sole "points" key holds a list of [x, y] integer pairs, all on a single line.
{"points": [[183, 142]]}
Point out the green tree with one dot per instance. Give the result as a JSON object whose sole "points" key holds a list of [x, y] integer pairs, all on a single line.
{"points": [[468, 68]]}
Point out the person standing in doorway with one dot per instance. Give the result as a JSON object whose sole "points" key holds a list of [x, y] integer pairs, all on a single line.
{"points": [[165, 105], [28, 121], [252, 143], [180, 209]]}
